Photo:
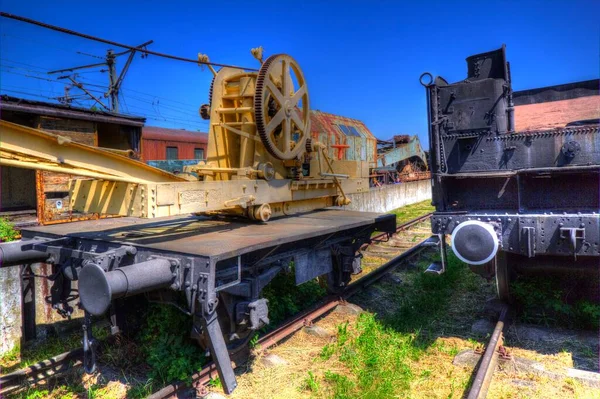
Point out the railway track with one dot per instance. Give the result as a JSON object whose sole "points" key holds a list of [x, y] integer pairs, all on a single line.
{"points": [[489, 360], [396, 249]]}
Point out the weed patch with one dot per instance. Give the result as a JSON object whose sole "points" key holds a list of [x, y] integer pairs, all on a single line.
{"points": [[409, 212], [310, 383], [342, 385], [381, 354], [377, 357], [7, 231], [286, 299], [141, 391], [544, 300], [169, 353], [20, 357]]}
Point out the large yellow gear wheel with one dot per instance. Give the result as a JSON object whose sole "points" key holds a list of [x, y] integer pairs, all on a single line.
{"points": [[281, 107]]}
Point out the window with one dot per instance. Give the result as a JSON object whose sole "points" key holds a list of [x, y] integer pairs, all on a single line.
{"points": [[172, 153], [198, 153], [344, 129], [354, 131], [349, 130]]}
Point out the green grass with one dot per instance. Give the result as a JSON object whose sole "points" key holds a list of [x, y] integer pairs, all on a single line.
{"points": [[423, 303], [379, 351], [57, 391], [409, 212], [310, 383], [545, 300], [166, 346], [19, 357], [286, 299], [7, 231], [33, 393], [11, 356], [141, 391]]}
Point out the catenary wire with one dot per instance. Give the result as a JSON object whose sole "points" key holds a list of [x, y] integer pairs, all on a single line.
{"points": [[113, 43]]}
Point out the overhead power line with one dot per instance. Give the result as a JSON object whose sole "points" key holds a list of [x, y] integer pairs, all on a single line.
{"points": [[113, 43], [44, 78], [28, 93], [23, 63], [52, 46], [167, 119], [164, 102]]}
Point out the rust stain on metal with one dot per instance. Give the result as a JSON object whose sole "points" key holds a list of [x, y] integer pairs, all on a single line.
{"points": [[45, 290], [346, 138]]}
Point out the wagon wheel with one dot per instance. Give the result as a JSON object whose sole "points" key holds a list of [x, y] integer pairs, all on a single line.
{"points": [[282, 112]]}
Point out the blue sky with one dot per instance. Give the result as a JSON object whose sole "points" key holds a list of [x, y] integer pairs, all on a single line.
{"points": [[360, 59]]}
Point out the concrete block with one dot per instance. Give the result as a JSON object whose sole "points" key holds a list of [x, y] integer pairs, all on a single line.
{"points": [[213, 395], [349, 309], [272, 360], [393, 196], [523, 383], [466, 358], [543, 334], [587, 377], [317, 331], [10, 308]]}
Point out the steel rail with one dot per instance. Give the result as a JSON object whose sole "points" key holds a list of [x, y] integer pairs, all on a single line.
{"points": [[489, 361], [113, 43], [54, 364]]}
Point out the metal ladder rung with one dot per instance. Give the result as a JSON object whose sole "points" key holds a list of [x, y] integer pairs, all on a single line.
{"points": [[432, 241], [435, 268]]}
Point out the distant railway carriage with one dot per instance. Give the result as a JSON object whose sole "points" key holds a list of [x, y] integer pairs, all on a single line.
{"points": [[171, 149]]}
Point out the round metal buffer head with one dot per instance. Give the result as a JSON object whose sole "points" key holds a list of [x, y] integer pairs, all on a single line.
{"points": [[94, 290], [474, 242]]}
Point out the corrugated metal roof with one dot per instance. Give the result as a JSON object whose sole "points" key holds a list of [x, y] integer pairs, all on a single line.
{"points": [[556, 114], [162, 133], [9, 103], [557, 92], [324, 121]]}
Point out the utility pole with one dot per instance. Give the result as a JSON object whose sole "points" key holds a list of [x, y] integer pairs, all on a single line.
{"points": [[112, 78], [114, 81], [66, 99]]}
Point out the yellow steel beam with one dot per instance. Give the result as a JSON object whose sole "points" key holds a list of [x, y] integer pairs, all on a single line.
{"points": [[30, 148]]}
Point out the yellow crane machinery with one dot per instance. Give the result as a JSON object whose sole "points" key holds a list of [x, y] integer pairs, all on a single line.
{"points": [[261, 161]]}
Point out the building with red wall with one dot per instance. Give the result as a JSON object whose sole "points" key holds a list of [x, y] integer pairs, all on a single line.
{"points": [[159, 143]]}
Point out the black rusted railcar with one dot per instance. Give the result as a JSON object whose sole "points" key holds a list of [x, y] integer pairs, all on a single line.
{"points": [[510, 201]]}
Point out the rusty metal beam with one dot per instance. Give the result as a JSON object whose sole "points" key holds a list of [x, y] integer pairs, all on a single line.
{"points": [[29, 148], [402, 152]]}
